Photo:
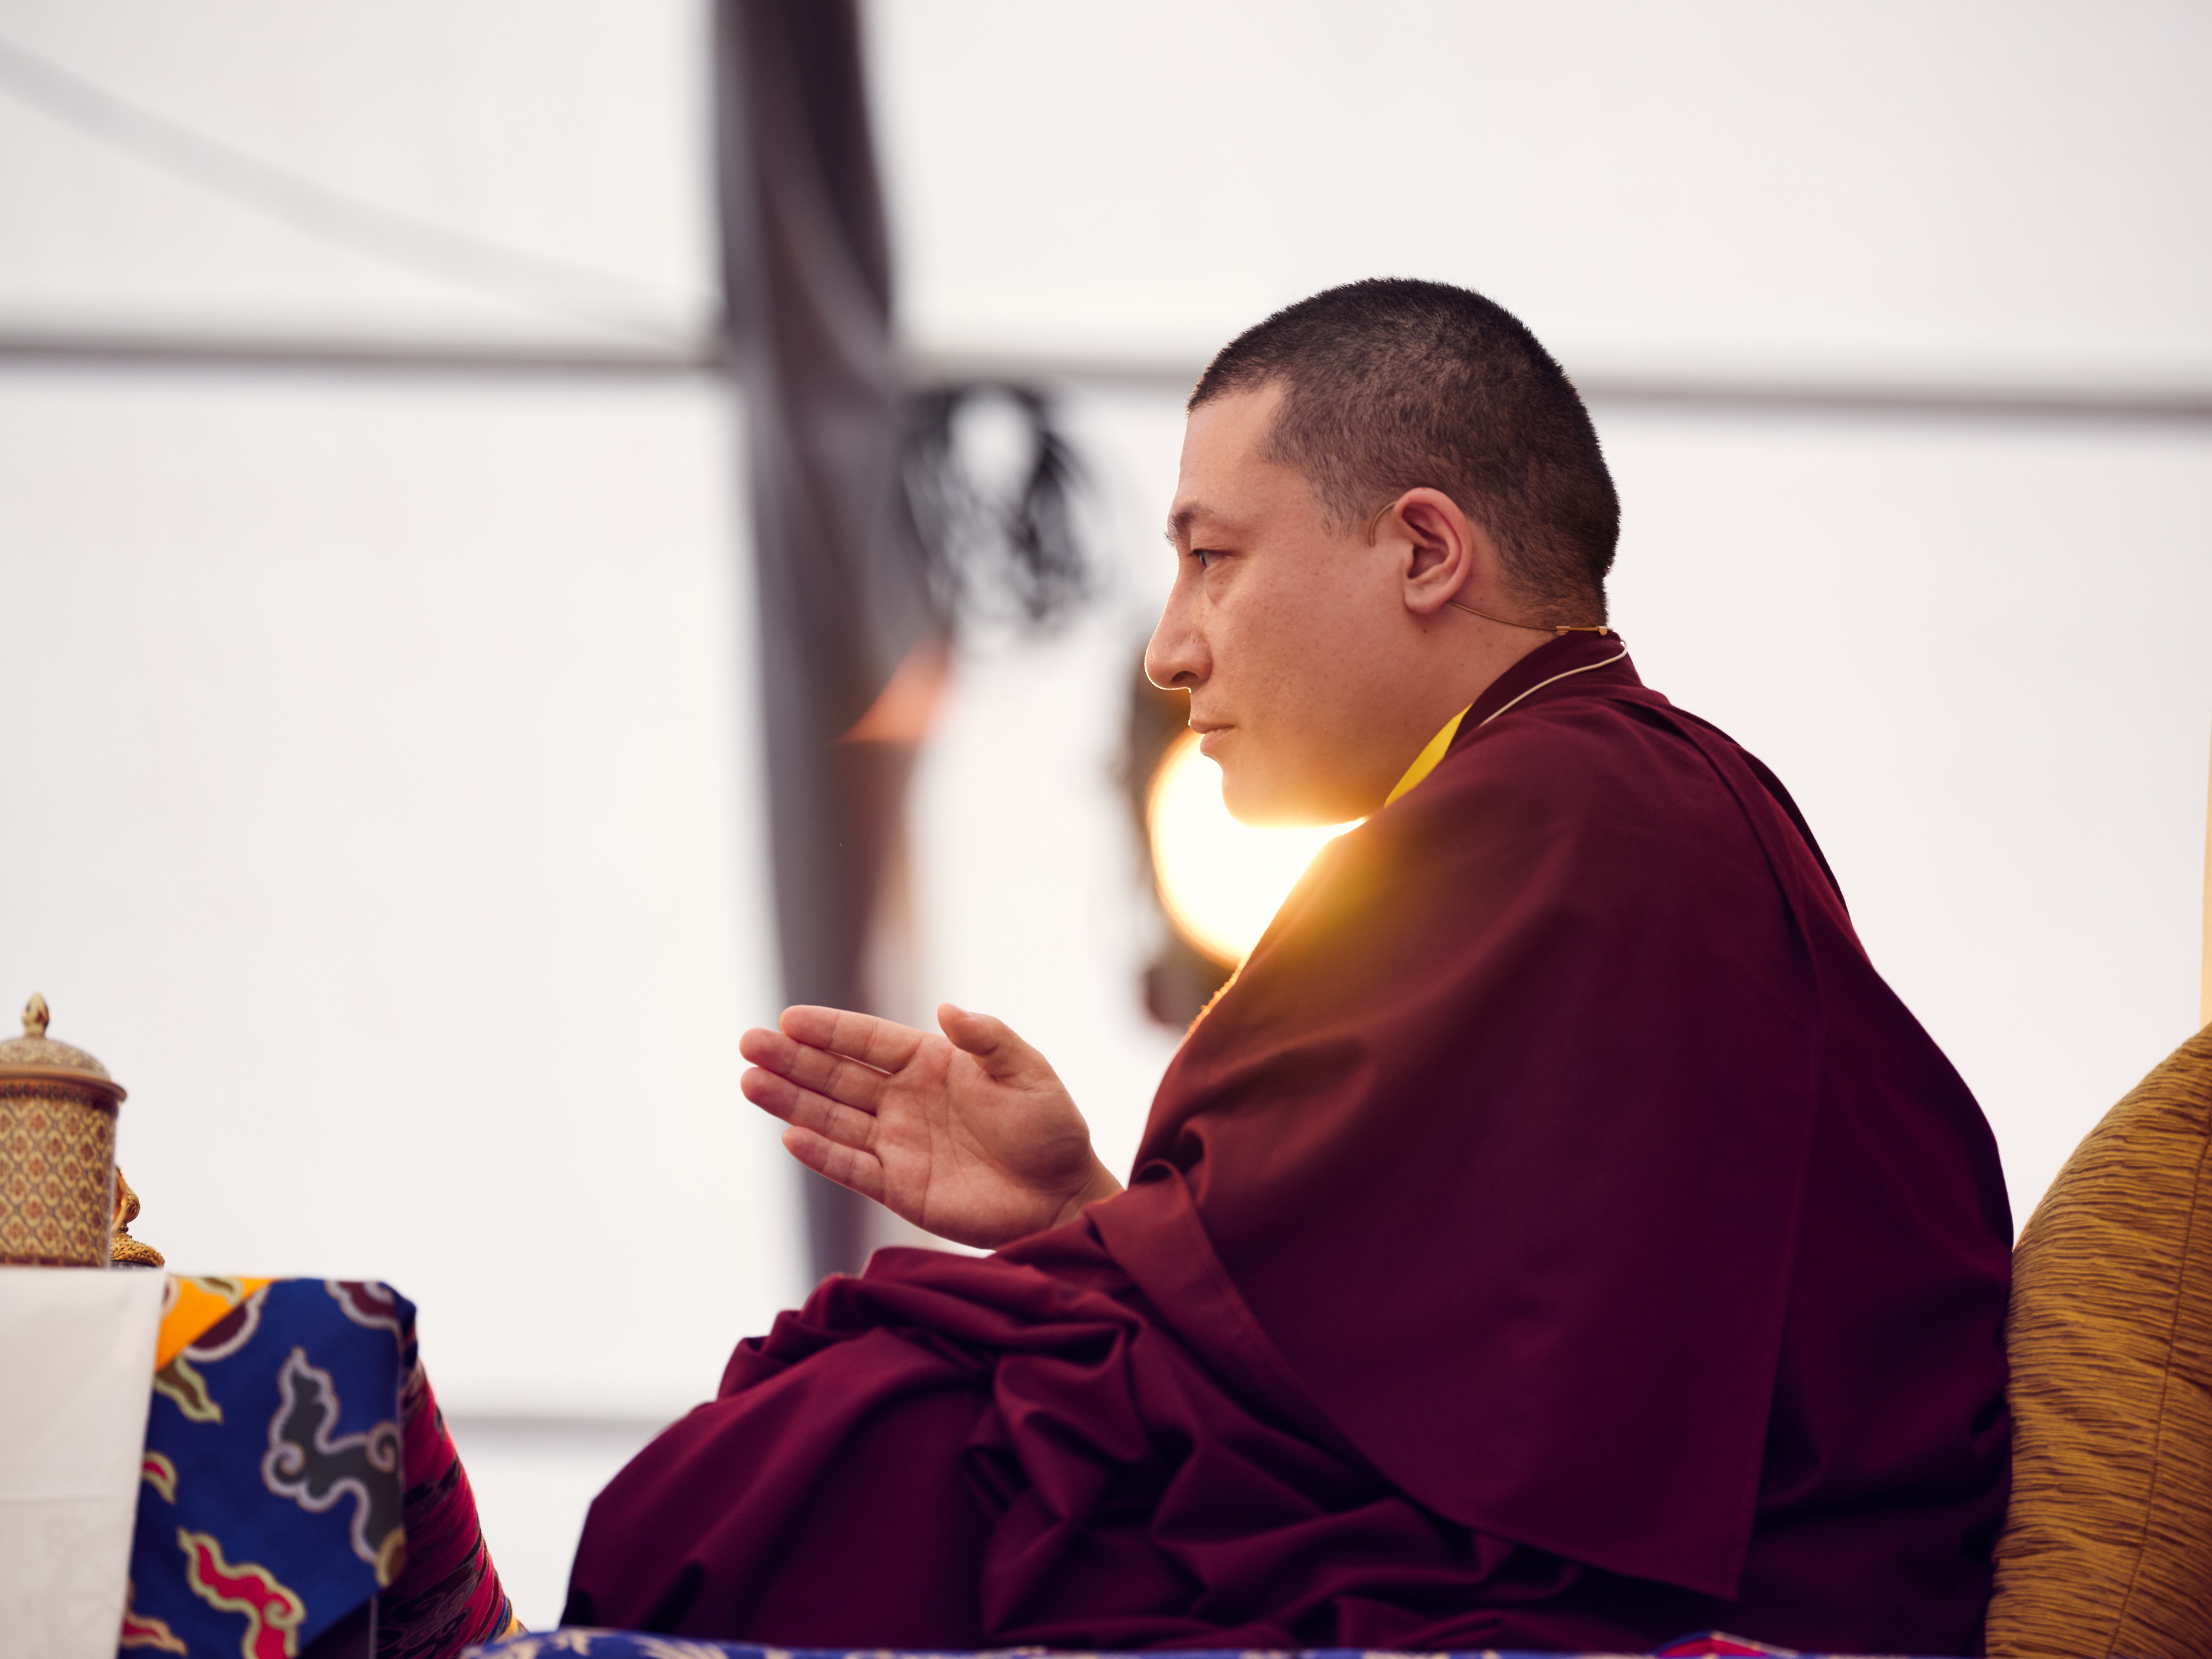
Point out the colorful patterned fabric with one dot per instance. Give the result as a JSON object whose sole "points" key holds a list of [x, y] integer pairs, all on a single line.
{"points": [[623, 1644], [296, 1466]]}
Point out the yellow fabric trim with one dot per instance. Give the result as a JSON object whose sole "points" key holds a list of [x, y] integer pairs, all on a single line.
{"points": [[1425, 761], [195, 1307]]}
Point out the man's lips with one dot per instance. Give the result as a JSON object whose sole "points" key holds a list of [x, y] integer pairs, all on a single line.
{"points": [[1209, 734]]}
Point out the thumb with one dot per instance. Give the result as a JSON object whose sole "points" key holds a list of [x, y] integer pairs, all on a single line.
{"points": [[1003, 1055]]}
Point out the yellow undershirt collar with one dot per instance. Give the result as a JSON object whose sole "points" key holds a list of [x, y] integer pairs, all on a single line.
{"points": [[1425, 761]]}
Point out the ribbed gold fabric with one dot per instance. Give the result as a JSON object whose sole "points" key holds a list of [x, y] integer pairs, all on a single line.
{"points": [[2107, 1546]]}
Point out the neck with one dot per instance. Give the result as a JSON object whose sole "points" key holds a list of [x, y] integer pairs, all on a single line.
{"points": [[1455, 684]]}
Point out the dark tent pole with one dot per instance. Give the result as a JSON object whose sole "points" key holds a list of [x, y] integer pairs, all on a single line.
{"points": [[843, 593]]}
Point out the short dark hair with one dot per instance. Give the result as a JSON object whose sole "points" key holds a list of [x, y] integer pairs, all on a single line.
{"points": [[1390, 384]]}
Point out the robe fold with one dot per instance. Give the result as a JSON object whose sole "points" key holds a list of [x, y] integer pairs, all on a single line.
{"points": [[1557, 1236]]}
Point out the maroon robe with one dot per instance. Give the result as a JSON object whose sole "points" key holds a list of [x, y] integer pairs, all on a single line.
{"points": [[1558, 1236]]}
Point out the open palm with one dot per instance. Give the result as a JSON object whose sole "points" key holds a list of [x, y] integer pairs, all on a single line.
{"points": [[971, 1134]]}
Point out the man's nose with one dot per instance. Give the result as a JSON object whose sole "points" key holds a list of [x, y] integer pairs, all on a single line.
{"points": [[1174, 657]]}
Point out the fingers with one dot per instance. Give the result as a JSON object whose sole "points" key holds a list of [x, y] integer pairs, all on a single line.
{"points": [[843, 1165], [803, 1108], [1000, 1054], [884, 1044], [845, 1081]]}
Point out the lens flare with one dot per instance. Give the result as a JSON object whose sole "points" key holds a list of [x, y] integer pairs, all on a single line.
{"points": [[1220, 881]]}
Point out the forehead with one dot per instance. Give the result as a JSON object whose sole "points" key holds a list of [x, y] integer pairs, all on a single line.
{"points": [[1225, 476]]}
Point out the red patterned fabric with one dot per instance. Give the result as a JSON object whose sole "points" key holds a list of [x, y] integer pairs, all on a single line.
{"points": [[448, 1595]]}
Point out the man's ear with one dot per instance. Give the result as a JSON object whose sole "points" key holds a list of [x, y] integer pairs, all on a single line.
{"points": [[1444, 551]]}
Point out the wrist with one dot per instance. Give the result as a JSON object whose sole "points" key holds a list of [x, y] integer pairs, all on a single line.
{"points": [[1098, 1183]]}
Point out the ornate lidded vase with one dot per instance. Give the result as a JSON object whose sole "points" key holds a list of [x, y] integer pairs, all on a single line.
{"points": [[58, 1195]]}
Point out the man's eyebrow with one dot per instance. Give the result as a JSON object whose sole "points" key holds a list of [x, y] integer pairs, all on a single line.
{"points": [[1180, 521]]}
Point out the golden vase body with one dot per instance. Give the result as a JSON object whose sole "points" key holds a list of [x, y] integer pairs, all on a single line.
{"points": [[58, 1107]]}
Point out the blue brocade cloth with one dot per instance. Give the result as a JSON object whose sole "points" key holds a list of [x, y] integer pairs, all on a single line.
{"points": [[270, 1509]]}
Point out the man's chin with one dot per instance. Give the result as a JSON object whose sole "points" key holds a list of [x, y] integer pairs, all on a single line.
{"points": [[1258, 803]]}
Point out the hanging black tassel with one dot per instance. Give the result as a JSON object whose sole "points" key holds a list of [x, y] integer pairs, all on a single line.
{"points": [[1004, 552]]}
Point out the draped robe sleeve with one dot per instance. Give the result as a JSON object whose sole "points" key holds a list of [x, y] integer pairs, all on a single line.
{"points": [[1503, 1132]]}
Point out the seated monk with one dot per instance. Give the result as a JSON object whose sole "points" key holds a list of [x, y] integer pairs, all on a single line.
{"points": [[1557, 1236]]}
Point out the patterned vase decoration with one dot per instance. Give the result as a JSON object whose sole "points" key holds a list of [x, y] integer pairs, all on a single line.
{"points": [[57, 1108]]}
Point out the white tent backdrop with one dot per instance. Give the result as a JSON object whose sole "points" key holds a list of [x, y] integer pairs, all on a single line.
{"points": [[2000, 191], [385, 805], [382, 814], [570, 135]]}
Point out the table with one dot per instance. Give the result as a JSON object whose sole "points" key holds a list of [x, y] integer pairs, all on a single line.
{"points": [[284, 1489]]}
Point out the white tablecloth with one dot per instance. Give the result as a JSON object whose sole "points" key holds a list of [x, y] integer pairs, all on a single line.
{"points": [[76, 1362]]}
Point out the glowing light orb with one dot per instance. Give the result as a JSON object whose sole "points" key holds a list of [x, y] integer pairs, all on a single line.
{"points": [[1220, 881]]}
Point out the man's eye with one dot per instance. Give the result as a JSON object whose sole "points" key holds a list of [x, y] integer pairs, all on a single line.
{"points": [[1205, 555]]}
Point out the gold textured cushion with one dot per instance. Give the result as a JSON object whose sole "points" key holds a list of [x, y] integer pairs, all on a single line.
{"points": [[2107, 1545]]}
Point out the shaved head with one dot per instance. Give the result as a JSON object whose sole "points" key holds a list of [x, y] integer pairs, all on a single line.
{"points": [[1391, 385]]}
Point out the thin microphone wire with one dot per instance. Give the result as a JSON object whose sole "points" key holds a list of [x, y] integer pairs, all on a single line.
{"points": [[574, 293], [1534, 628]]}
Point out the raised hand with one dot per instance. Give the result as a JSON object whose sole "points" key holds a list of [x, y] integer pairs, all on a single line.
{"points": [[972, 1137]]}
